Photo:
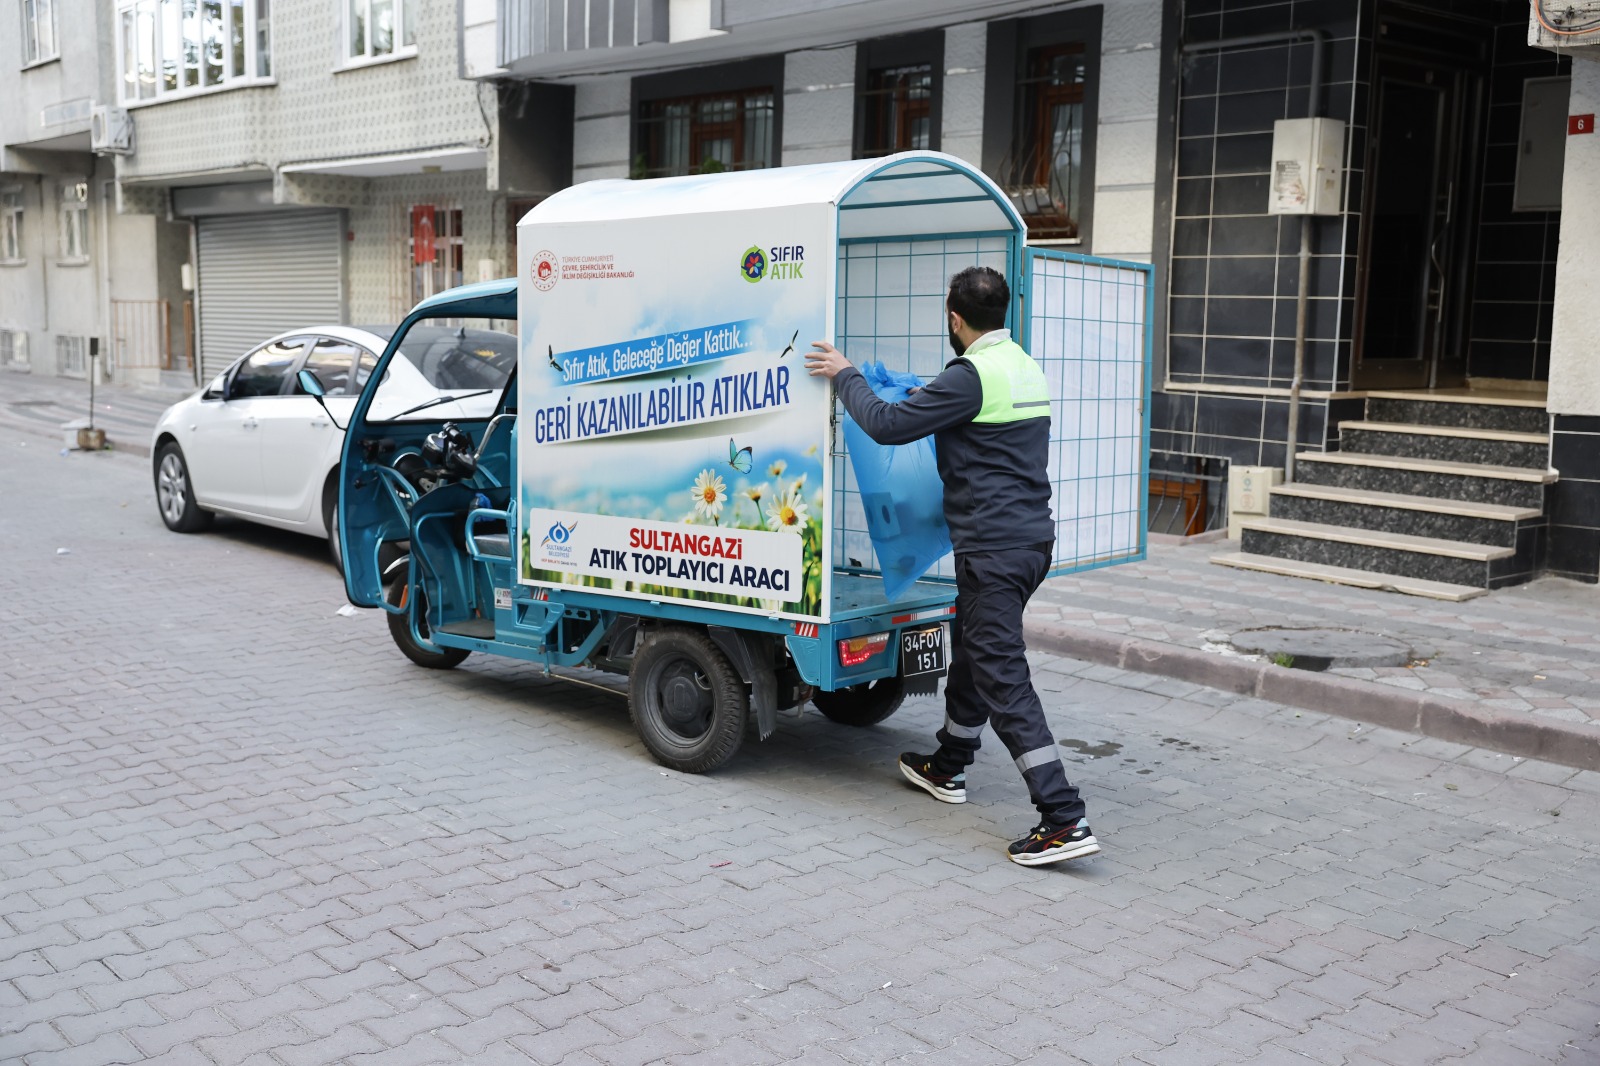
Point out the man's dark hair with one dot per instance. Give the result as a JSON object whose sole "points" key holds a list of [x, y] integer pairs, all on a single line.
{"points": [[981, 297]]}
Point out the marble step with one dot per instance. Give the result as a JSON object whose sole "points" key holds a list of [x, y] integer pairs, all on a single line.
{"points": [[1394, 512], [1452, 561], [1440, 478], [1343, 575], [1491, 447], [1460, 408]]}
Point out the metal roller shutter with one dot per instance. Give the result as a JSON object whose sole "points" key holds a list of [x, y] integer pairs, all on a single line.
{"points": [[262, 274]]}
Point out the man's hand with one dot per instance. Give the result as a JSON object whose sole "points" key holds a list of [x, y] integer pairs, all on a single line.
{"points": [[827, 361]]}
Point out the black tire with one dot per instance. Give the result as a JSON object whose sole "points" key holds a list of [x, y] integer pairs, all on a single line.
{"points": [[175, 492], [862, 705], [687, 701], [330, 520], [400, 632]]}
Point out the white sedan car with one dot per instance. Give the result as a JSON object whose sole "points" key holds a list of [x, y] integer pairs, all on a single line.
{"points": [[253, 445]]}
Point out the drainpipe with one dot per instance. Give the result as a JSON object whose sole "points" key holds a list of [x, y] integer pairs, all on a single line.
{"points": [[1302, 296]]}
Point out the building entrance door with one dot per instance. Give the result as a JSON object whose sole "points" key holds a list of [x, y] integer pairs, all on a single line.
{"points": [[1419, 196]]}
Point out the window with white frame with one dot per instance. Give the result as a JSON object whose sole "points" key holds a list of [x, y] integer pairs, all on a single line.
{"points": [[75, 221], [378, 29], [11, 226], [39, 31], [176, 47]]}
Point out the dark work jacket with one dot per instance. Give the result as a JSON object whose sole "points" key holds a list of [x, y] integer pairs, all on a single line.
{"points": [[996, 485]]}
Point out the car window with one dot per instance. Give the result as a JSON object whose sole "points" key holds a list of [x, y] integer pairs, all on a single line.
{"points": [[330, 360], [264, 370], [364, 368]]}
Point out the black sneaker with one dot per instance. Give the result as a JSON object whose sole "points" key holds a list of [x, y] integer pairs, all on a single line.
{"points": [[947, 788], [1050, 843]]}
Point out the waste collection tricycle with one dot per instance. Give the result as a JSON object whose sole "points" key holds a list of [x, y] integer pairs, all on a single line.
{"points": [[660, 489]]}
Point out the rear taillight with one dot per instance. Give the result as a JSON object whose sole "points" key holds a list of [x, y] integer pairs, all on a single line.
{"points": [[857, 650]]}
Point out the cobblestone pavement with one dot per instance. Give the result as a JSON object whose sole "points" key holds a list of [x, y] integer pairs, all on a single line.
{"points": [[1532, 648], [236, 827]]}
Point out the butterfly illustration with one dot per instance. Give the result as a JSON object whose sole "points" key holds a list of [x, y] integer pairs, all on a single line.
{"points": [[741, 459], [789, 349], [552, 350]]}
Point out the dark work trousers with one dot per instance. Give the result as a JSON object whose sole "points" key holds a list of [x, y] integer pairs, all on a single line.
{"points": [[989, 680]]}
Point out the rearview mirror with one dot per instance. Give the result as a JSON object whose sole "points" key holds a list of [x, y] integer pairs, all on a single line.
{"points": [[310, 385]]}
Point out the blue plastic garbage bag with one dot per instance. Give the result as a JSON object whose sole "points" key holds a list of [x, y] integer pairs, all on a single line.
{"points": [[901, 491]]}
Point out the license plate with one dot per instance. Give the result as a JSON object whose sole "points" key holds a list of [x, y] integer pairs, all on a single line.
{"points": [[922, 651]]}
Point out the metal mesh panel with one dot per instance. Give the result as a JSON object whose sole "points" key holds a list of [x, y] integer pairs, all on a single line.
{"points": [[891, 310], [1088, 323]]}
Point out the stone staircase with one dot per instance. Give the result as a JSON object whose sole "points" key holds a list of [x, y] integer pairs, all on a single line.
{"points": [[1433, 494]]}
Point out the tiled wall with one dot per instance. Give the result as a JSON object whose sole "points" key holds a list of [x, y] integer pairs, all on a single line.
{"points": [[1575, 512], [1515, 276], [1235, 269]]}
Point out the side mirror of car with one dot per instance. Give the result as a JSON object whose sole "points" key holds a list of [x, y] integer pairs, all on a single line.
{"points": [[313, 388], [217, 390]]}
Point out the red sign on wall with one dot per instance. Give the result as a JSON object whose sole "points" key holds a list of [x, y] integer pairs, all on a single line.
{"points": [[1579, 124], [422, 234]]}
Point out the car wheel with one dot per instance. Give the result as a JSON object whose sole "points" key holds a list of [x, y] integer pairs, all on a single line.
{"points": [[687, 701], [330, 519], [862, 705], [175, 492], [400, 631]]}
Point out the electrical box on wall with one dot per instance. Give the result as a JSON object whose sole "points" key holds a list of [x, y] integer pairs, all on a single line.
{"points": [[1307, 167], [1249, 490]]}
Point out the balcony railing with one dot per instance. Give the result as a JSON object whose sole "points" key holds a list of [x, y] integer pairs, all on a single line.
{"points": [[529, 28]]}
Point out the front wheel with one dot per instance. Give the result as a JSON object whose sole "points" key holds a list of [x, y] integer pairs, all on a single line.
{"points": [[175, 492], [400, 631], [687, 701], [862, 705]]}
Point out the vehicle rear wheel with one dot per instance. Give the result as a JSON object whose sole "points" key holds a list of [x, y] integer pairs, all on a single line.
{"points": [[687, 701], [400, 631], [862, 705], [175, 492]]}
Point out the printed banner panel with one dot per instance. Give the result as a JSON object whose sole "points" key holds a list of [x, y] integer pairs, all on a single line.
{"points": [[671, 443]]}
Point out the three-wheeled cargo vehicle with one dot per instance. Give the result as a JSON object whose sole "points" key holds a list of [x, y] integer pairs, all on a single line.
{"points": [[660, 488]]}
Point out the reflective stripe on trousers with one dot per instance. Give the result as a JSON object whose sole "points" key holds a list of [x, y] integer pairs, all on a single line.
{"points": [[989, 682]]}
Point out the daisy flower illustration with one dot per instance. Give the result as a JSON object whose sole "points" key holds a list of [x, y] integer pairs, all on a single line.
{"points": [[756, 492], [709, 493], [787, 512], [777, 468]]}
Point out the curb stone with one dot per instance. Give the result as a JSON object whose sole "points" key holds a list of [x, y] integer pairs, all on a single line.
{"points": [[1457, 721]]}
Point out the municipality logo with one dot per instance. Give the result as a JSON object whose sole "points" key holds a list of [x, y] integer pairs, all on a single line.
{"points": [[558, 534], [754, 265]]}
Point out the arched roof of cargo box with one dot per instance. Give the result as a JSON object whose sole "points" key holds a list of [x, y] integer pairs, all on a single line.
{"points": [[909, 194]]}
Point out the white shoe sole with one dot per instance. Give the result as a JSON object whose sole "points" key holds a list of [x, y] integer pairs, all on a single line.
{"points": [[938, 794], [1081, 850]]}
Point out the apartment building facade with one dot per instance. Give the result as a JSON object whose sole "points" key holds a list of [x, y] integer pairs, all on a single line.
{"points": [[79, 288], [325, 157]]}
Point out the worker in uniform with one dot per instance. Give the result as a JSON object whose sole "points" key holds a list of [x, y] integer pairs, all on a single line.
{"points": [[989, 415]]}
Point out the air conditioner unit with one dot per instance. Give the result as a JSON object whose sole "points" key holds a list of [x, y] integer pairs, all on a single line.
{"points": [[110, 131]]}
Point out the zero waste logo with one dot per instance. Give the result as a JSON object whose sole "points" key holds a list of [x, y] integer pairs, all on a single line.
{"points": [[754, 265]]}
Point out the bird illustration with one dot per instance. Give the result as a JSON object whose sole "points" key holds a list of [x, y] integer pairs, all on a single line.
{"points": [[789, 349], [552, 350]]}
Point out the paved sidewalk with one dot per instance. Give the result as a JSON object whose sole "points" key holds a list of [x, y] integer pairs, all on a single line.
{"points": [[1517, 670], [34, 406]]}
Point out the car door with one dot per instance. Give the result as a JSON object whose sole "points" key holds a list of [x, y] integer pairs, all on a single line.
{"points": [[299, 442], [225, 454]]}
